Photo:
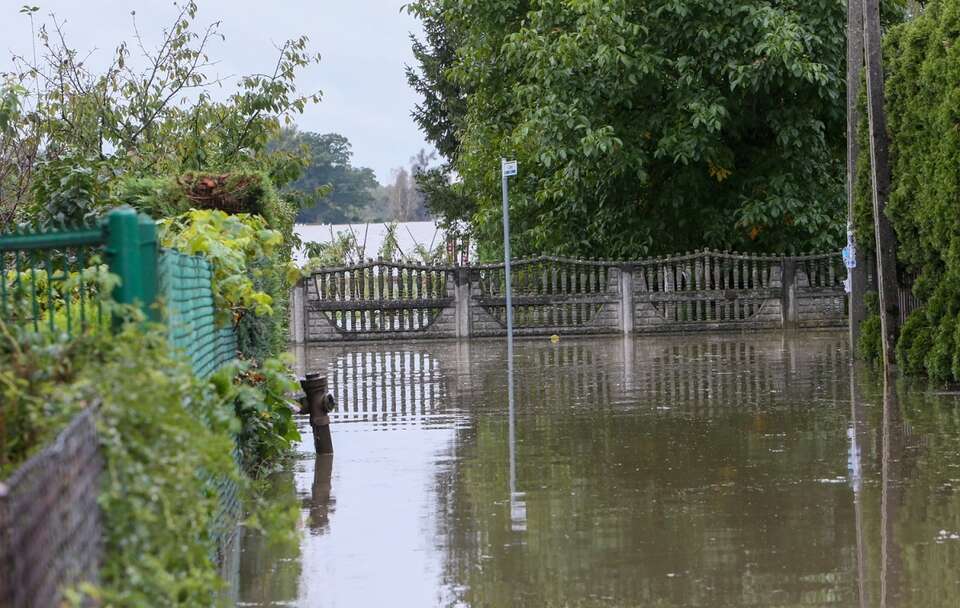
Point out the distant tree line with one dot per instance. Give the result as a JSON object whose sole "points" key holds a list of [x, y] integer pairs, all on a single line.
{"points": [[331, 190]]}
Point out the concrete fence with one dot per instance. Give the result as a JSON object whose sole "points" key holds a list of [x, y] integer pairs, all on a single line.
{"points": [[703, 291]]}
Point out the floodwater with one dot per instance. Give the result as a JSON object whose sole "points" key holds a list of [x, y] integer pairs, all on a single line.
{"points": [[708, 470]]}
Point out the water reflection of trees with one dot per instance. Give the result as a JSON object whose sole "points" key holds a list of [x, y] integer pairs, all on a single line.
{"points": [[630, 503], [914, 495], [269, 568]]}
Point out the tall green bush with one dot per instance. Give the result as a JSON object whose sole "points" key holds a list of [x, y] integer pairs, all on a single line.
{"points": [[922, 68]]}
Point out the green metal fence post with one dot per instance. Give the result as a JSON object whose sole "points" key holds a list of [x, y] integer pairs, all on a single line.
{"points": [[149, 260], [132, 256]]}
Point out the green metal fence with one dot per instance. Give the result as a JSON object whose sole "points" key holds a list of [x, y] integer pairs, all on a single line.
{"points": [[184, 287], [61, 281], [54, 281]]}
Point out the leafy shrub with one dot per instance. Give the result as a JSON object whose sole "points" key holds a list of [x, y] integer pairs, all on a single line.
{"points": [[164, 434], [33, 366], [922, 73], [232, 243], [916, 340], [870, 345], [32, 298], [939, 359], [267, 429], [69, 190], [158, 197]]}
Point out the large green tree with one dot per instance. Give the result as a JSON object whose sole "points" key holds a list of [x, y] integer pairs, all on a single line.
{"points": [[333, 190], [642, 126]]}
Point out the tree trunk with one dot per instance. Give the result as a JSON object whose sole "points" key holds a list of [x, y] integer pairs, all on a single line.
{"points": [[880, 180]]}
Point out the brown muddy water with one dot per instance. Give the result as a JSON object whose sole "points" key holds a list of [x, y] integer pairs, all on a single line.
{"points": [[758, 470]]}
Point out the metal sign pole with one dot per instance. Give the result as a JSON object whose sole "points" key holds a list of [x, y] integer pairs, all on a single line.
{"points": [[506, 170], [518, 506]]}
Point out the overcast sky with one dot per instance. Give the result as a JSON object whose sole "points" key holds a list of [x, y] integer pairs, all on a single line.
{"points": [[364, 43]]}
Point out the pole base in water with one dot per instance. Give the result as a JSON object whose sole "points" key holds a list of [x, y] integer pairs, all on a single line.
{"points": [[322, 440]]}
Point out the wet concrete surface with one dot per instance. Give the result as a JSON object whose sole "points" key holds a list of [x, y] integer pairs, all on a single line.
{"points": [[709, 470]]}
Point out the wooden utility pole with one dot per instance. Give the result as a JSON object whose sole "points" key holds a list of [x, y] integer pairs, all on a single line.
{"points": [[880, 180], [858, 274]]}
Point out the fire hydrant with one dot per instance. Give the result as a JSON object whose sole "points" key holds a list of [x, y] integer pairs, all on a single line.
{"points": [[319, 404]]}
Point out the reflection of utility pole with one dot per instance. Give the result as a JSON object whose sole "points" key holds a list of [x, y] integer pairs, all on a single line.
{"points": [[855, 465], [890, 567], [518, 506], [321, 491]]}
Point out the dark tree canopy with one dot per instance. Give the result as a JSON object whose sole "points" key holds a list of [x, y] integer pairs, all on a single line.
{"points": [[641, 126]]}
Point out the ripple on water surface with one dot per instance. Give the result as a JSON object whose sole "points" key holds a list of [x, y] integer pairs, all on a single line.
{"points": [[722, 470]]}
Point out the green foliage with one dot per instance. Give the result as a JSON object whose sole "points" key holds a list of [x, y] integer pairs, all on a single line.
{"points": [[445, 199], [34, 299], [916, 340], [69, 191], [342, 250], [148, 113], [233, 243], [158, 197], [922, 92], [32, 366], [164, 434], [870, 344], [643, 127], [267, 430]]}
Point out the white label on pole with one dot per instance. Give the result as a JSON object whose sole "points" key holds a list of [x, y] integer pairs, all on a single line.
{"points": [[509, 168], [850, 256]]}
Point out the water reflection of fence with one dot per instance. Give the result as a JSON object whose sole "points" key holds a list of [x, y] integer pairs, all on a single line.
{"points": [[417, 384], [400, 386], [704, 291]]}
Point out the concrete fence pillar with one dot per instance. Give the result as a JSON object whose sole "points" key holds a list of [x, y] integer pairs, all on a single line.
{"points": [[461, 298], [298, 312], [626, 299]]}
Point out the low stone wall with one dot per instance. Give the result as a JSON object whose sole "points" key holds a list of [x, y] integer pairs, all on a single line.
{"points": [[51, 532], [703, 291]]}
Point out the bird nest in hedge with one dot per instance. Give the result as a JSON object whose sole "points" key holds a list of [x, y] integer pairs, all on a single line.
{"points": [[228, 192]]}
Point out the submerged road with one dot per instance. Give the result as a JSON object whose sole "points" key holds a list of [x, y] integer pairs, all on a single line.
{"points": [[708, 470]]}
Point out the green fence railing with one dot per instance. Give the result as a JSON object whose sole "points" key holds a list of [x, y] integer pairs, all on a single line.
{"points": [[53, 281], [184, 287], [59, 281]]}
